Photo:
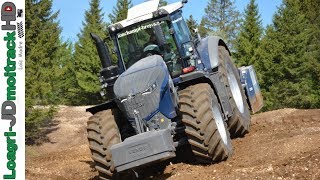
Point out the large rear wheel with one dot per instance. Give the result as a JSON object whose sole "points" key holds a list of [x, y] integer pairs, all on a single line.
{"points": [[239, 122], [205, 127]]}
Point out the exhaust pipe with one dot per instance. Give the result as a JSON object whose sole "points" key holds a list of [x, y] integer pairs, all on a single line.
{"points": [[102, 51], [108, 74]]}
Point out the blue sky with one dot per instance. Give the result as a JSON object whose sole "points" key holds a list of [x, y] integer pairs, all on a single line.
{"points": [[72, 14]]}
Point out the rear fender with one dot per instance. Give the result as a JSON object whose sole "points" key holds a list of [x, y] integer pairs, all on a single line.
{"points": [[208, 51]]}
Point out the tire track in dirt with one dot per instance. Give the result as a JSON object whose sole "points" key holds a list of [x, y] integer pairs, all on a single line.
{"points": [[282, 144]]}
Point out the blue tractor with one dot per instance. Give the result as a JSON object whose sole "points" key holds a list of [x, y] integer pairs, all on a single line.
{"points": [[169, 90]]}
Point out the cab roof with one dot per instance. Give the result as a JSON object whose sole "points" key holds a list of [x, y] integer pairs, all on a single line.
{"points": [[145, 11]]}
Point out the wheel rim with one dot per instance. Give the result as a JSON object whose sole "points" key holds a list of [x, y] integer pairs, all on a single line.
{"points": [[235, 89], [220, 124]]}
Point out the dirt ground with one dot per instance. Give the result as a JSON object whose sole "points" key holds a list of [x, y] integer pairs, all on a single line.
{"points": [[282, 144]]}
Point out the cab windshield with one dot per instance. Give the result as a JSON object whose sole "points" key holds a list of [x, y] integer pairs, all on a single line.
{"points": [[148, 39]]}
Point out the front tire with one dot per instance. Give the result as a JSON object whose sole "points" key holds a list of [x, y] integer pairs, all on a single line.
{"points": [[239, 122], [103, 132], [205, 127]]}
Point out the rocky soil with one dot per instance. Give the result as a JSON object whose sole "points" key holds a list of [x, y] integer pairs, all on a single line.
{"points": [[282, 144]]}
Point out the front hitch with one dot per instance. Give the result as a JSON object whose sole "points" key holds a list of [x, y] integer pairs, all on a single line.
{"points": [[142, 149]]}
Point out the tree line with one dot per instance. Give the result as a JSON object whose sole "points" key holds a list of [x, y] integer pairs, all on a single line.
{"points": [[285, 54]]}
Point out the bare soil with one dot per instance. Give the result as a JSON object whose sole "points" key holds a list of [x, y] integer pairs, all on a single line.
{"points": [[282, 144]]}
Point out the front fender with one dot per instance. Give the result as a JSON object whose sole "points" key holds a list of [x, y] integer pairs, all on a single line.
{"points": [[208, 51], [104, 106]]}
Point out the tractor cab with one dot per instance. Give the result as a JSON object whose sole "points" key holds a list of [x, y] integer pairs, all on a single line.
{"points": [[153, 30]]}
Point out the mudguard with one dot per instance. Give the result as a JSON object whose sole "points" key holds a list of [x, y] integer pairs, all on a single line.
{"points": [[208, 51], [249, 80]]}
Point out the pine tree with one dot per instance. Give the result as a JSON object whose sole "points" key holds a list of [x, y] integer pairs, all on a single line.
{"points": [[311, 10], [250, 36], [42, 46], [222, 19], [86, 59], [287, 63], [192, 24], [202, 29], [66, 86], [120, 11]]}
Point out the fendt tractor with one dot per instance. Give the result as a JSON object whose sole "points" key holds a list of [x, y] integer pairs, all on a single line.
{"points": [[169, 90]]}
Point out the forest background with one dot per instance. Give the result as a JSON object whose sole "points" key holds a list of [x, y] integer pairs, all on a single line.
{"points": [[285, 54]]}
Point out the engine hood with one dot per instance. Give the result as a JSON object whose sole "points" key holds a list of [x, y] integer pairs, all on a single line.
{"points": [[141, 76]]}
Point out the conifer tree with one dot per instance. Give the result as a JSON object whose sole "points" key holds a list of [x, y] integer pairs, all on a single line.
{"points": [[287, 65], [222, 19], [42, 46], [120, 11], [202, 29], [86, 59], [192, 24], [66, 86], [250, 35]]}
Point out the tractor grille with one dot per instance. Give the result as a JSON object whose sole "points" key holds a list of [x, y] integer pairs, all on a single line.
{"points": [[138, 88], [144, 104]]}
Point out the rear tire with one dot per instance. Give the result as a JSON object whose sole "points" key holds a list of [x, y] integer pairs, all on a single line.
{"points": [[103, 132], [239, 122], [205, 127]]}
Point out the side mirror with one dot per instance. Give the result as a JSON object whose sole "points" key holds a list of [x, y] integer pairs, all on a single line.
{"points": [[107, 39], [107, 42], [171, 31], [114, 51], [188, 49]]}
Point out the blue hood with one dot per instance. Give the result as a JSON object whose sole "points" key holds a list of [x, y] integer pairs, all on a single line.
{"points": [[140, 76]]}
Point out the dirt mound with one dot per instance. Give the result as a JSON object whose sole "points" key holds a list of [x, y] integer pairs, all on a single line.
{"points": [[282, 144]]}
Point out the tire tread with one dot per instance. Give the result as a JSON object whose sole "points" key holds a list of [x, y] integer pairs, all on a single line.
{"points": [[200, 125]]}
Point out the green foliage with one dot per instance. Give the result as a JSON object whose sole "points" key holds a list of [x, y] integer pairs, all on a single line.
{"points": [[65, 81], [249, 37], [202, 29], [192, 24], [120, 11], [288, 58], [163, 3], [86, 59], [42, 45], [222, 19]]}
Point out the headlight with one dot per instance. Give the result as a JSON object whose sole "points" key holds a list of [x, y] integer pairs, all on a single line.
{"points": [[150, 89], [112, 28], [160, 12], [115, 27]]}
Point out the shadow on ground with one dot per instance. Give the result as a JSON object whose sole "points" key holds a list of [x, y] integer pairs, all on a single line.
{"points": [[49, 127]]}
